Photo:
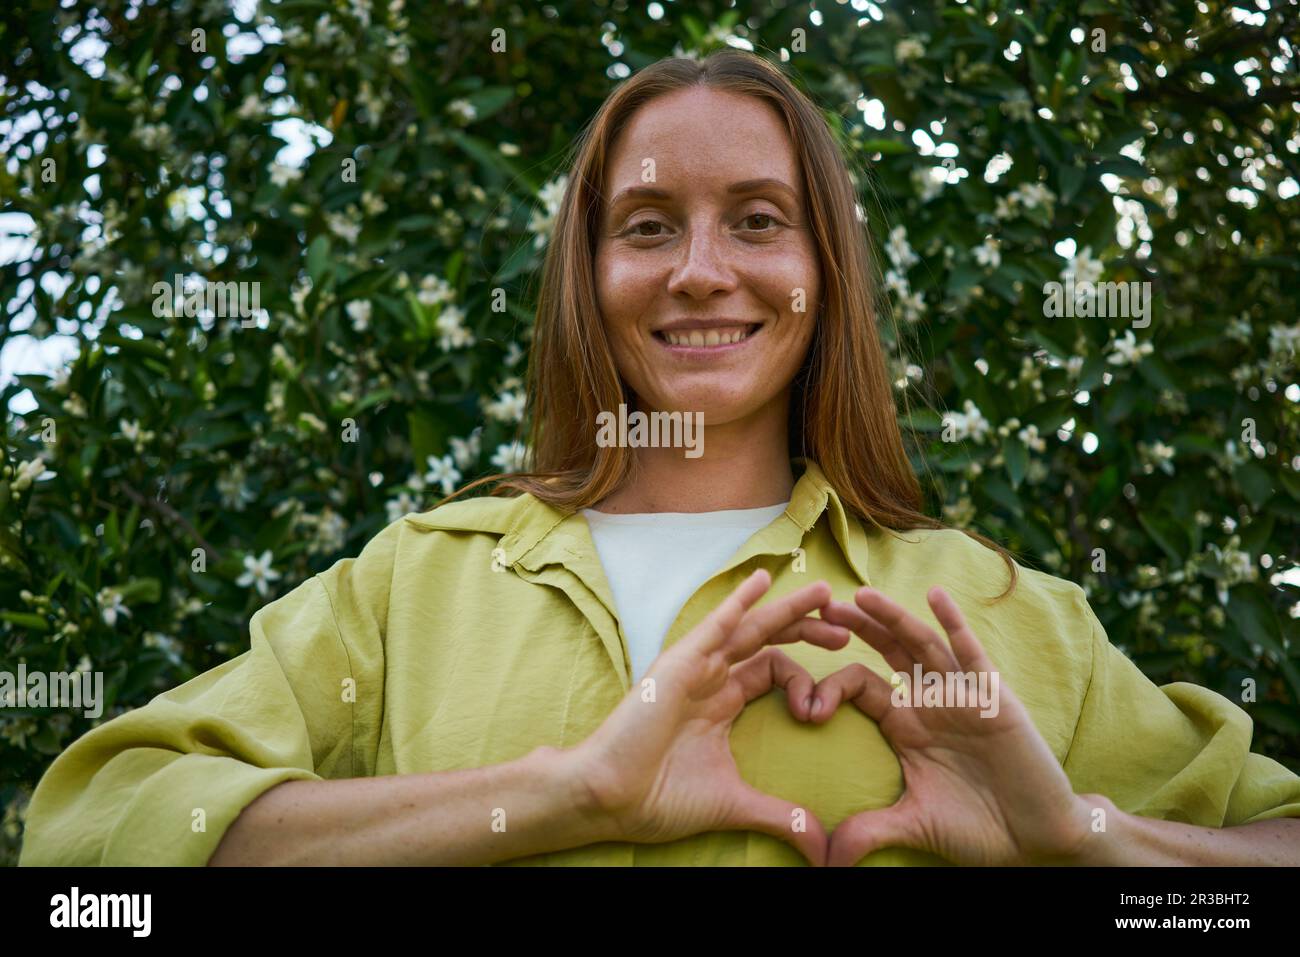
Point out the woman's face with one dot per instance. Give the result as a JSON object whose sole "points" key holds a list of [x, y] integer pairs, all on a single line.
{"points": [[715, 247]]}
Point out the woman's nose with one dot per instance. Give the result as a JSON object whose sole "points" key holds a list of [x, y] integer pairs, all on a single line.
{"points": [[703, 268]]}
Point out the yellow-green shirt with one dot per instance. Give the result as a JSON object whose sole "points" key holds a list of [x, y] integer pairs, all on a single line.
{"points": [[471, 634]]}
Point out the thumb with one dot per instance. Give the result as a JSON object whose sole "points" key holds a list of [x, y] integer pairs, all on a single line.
{"points": [[755, 810], [869, 831]]}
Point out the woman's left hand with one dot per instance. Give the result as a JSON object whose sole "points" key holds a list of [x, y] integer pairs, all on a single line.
{"points": [[980, 789]]}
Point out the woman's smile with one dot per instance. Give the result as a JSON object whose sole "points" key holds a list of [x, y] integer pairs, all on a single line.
{"points": [[705, 339]]}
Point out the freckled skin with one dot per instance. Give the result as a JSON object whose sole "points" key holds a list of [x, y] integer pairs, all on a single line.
{"points": [[704, 252]]}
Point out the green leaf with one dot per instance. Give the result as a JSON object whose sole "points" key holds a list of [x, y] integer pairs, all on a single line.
{"points": [[1166, 533], [1017, 458], [26, 620], [318, 259], [1255, 619], [140, 591]]}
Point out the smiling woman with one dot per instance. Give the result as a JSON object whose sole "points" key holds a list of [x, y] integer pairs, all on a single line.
{"points": [[580, 668]]}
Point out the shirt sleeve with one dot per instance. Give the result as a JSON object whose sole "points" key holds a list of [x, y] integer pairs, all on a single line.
{"points": [[1176, 752], [159, 786]]}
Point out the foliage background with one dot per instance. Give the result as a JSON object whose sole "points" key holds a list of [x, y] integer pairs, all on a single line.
{"points": [[1171, 156]]}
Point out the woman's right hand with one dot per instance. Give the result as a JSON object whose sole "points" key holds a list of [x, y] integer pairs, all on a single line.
{"points": [[660, 767]]}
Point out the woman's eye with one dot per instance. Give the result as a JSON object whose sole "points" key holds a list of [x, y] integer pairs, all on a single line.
{"points": [[765, 221], [638, 228]]}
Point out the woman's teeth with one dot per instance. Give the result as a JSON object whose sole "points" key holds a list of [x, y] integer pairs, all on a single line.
{"points": [[711, 337]]}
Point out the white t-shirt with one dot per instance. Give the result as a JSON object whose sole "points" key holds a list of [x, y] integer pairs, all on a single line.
{"points": [[655, 561]]}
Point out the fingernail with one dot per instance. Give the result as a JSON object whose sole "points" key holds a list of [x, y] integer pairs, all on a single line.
{"points": [[807, 703], [816, 707]]}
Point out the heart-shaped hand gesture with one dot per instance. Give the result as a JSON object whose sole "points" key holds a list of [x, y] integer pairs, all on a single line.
{"points": [[660, 766], [981, 786]]}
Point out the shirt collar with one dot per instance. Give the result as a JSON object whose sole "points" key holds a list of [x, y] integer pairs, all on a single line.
{"points": [[537, 533]]}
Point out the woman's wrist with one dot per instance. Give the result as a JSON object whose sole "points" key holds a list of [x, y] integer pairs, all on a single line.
{"points": [[1099, 825], [567, 773]]}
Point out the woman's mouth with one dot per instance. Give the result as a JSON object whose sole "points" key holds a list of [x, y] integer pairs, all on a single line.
{"points": [[716, 338]]}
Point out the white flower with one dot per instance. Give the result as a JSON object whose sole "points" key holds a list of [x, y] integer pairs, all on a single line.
{"points": [[970, 423], [896, 283], [234, 493], [466, 451], [251, 108], [282, 175], [434, 290], [928, 183], [912, 307], [75, 405], [987, 254], [59, 381], [326, 32], [358, 311], [1157, 455], [1033, 195], [444, 472], [1127, 351], [453, 333], [151, 137], [257, 572], [898, 250], [403, 504], [1029, 435], [1284, 340], [543, 221], [27, 473], [361, 10], [1019, 107], [908, 49], [508, 407], [508, 149], [513, 354], [299, 292], [463, 110], [511, 457], [344, 225], [110, 606], [1083, 268]]}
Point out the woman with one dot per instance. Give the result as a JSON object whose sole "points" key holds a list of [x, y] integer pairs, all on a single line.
{"points": [[582, 672]]}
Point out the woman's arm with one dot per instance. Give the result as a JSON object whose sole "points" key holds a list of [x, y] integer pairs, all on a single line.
{"points": [[1129, 839], [532, 805], [659, 768]]}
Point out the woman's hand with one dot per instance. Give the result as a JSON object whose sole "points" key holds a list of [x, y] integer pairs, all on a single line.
{"points": [[981, 785], [660, 767]]}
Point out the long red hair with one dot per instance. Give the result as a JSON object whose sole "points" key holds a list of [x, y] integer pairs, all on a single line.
{"points": [[843, 415]]}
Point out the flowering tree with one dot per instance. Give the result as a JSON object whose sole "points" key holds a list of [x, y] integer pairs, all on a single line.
{"points": [[1085, 220]]}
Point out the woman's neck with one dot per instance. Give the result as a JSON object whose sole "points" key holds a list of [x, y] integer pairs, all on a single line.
{"points": [[745, 464]]}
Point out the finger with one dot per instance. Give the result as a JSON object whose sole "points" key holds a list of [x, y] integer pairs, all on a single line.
{"points": [[872, 632], [723, 620], [753, 630], [770, 669], [857, 684], [797, 826], [813, 631], [965, 646], [865, 833], [919, 639]]}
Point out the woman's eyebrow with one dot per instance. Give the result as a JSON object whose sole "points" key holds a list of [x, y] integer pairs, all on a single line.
{"points": [[744, 186], [756, 185], [639, 192]]}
